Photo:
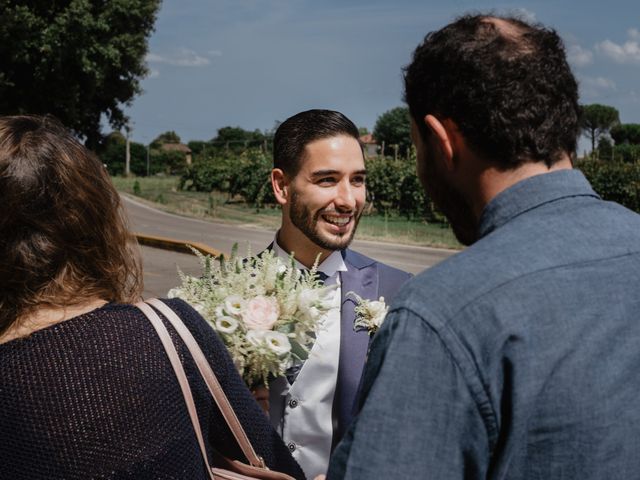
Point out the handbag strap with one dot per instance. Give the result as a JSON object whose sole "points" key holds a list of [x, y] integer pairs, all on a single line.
{"points": [[212, 383], [172, 353]]}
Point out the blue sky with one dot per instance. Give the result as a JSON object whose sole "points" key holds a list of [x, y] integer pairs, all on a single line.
{"points": [[248, 63]]}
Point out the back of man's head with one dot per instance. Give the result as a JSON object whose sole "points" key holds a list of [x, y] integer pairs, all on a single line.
{"points": [[296, 132], [505, 83]]}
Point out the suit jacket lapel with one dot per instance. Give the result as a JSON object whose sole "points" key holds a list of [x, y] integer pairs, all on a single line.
{"points": [[362, 280]]}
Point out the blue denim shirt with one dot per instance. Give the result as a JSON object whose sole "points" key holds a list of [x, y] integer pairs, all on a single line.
{"points": [[518, 358]]}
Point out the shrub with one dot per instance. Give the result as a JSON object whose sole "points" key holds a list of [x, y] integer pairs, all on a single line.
{"points": [[246, 175], [615, 181]]}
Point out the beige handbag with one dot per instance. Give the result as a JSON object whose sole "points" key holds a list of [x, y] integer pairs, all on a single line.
{"points": [[224, 469]]}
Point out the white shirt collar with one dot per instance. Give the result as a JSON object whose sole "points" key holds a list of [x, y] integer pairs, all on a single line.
{"points": [[332, 264]]}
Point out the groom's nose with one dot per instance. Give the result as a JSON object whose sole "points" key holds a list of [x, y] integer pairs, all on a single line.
{"points": [[345, 198]]}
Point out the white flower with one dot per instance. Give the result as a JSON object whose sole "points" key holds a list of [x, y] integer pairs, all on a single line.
{"points": [[278, 342], [270, 276], [369, 313], [261, 313], [234, 304], [307, 299], [376, 311], [226, 324], [256, 337], [175, 293]]}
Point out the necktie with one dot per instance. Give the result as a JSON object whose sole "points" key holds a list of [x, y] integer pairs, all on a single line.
{"points": [[322, 276]]}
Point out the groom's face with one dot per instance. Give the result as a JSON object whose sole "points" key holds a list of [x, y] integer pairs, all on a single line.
{"points": [[328, 193]]}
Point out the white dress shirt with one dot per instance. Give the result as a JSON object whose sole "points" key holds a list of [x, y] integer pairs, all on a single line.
{"points": [[302, 412]]}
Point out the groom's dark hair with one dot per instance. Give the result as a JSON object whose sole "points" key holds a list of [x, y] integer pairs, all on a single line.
{"points": [[296, 132], [504, 82]]}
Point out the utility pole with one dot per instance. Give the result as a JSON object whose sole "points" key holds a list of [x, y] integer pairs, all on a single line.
{"points": [[127, 158]]}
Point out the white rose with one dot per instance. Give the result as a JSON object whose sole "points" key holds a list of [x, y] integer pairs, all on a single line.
{"points": [[260, 313], [278, 342], [226, 324], [233, 304], [377, 310], [256, 337]]}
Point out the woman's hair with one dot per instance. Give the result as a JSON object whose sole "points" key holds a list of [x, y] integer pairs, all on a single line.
{"points": [[63, 235]]}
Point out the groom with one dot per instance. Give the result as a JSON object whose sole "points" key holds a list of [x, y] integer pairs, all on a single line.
{"points": [[319, 180]]}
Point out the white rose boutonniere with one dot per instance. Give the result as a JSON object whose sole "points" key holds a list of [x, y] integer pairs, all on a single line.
{"points": [[369, 313]]}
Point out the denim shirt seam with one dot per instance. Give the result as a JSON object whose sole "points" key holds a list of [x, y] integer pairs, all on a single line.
{"points": [[479, 393]]}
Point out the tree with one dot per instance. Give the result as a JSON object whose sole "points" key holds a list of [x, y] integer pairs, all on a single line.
{"points": [[166, 137], [393, 127], [238, 135], [75, 59], [112, 154], [597, 120], [626, 133]]}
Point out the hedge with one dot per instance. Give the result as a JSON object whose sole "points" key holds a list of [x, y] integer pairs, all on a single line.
{"points": [[615, 181]]}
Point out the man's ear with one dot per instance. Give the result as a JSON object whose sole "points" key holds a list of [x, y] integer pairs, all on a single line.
{"points": [[443, 133], [280, 186]]}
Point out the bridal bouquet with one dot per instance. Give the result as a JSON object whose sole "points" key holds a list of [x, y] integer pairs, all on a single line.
{"points": [[265, 310]]}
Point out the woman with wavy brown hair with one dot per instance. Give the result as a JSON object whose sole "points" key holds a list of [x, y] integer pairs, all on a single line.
{"points": [[86, 390]]}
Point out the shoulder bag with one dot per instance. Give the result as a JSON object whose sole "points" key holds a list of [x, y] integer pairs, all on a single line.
{"points": [[223, 468]]}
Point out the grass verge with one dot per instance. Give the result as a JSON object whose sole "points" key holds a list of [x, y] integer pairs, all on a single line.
{"points": [[216, 206]]}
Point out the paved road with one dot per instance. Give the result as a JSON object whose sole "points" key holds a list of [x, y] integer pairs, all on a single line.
{"points": [[160, 265]]}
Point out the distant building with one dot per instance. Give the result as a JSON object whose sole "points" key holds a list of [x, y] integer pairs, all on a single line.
{"points": [[370, 146], [178, 147]]}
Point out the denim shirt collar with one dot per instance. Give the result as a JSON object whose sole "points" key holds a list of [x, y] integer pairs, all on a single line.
{"points": [[531, 193]]}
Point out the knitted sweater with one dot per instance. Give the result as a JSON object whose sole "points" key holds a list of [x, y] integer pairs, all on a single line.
{"points": [[95, 397]]}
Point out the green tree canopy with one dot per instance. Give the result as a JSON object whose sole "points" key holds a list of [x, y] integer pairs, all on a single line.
{"points": [[75, 59], [237, 135], [626, 133], [166, 137], [597, 120], [393, 127]]}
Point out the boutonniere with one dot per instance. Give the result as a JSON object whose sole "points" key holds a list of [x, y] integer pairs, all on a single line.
{"points": [[369, 314]]}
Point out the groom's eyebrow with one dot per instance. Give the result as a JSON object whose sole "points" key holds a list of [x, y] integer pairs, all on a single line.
{"points": [[323, 173]]}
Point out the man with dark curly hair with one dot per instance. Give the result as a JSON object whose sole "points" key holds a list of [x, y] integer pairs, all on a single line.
{"points": [[518, 357]]}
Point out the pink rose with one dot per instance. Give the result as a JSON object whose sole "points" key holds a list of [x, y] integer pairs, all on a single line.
{"points": [[260, 313]]}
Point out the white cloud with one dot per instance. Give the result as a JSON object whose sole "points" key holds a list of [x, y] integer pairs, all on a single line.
{"points": [[214, 53], [627, 52], [579, 56], [153, 73], [182, 57], [596, 86], [599, 82]]}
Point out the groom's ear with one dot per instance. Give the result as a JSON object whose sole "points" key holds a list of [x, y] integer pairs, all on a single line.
{"points": [[280, 186]]}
